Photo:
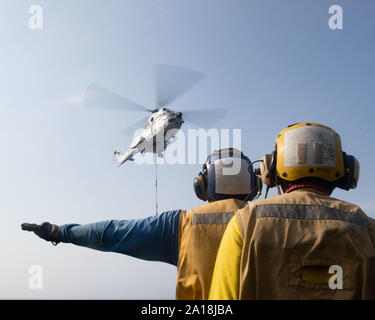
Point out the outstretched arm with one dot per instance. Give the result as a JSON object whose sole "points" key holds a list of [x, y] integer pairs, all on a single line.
{"points": [[154, 238]]}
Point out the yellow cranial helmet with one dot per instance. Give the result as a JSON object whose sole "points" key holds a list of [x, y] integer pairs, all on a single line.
{"points": [[309, 150]]}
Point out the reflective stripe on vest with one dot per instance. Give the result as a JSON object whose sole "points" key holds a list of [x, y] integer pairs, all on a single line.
{"points": [[212, 218], [309, 212]]}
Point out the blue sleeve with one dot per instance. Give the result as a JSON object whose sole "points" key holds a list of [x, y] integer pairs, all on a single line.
{"points": [[154, 238]]}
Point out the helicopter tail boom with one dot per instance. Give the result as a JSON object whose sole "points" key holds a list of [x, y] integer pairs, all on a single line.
{"points": [[121, 158]]}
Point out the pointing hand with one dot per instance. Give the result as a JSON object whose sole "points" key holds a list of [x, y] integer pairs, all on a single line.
{"points": [[45, 230]]}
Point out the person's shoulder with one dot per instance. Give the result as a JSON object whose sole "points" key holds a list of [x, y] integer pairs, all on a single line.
{"points": [[201, 208], [279, 199], [167, 215], [225, 205], [357, 209], [251, 207], [346, 205], [308, 198]]}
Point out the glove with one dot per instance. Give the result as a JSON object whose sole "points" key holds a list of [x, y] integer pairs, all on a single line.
{"points": [[45, 230]]}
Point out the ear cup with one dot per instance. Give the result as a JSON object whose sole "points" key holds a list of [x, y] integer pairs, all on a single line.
{"points": [[355, 173], [259, 185], [350, 180], [268, 169], [200, 187]]}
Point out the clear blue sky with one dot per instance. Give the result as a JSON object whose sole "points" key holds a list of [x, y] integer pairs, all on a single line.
{"points": [[272, 63]]}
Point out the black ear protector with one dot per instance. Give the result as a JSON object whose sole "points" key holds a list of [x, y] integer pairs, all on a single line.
{"points": [[259, 186], [350, 179], [267, 171], [258, 181], [200, 185], [269, 174], [257, 190]]}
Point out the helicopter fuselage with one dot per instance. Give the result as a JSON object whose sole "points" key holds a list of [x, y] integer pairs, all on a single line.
{"points": [[161, 127]]}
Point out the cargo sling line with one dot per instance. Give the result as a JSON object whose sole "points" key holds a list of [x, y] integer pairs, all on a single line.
{"points": [[156, 183]]}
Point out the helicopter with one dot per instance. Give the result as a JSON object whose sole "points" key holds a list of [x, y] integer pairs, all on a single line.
{"points": [[163, 123]]}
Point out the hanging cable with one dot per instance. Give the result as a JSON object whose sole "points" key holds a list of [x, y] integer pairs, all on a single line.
{"points": [[156, 184]]}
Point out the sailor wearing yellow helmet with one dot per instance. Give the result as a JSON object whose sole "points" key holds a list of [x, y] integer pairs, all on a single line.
{"points": [[303, 244]]}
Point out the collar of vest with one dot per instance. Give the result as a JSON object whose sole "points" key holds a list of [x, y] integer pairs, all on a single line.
{"points": [[308, 187]]}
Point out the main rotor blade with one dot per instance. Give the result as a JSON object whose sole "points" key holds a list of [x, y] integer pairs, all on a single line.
{"points": [[172, 81], [204, 118], [98, 97], [129, 131]]}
